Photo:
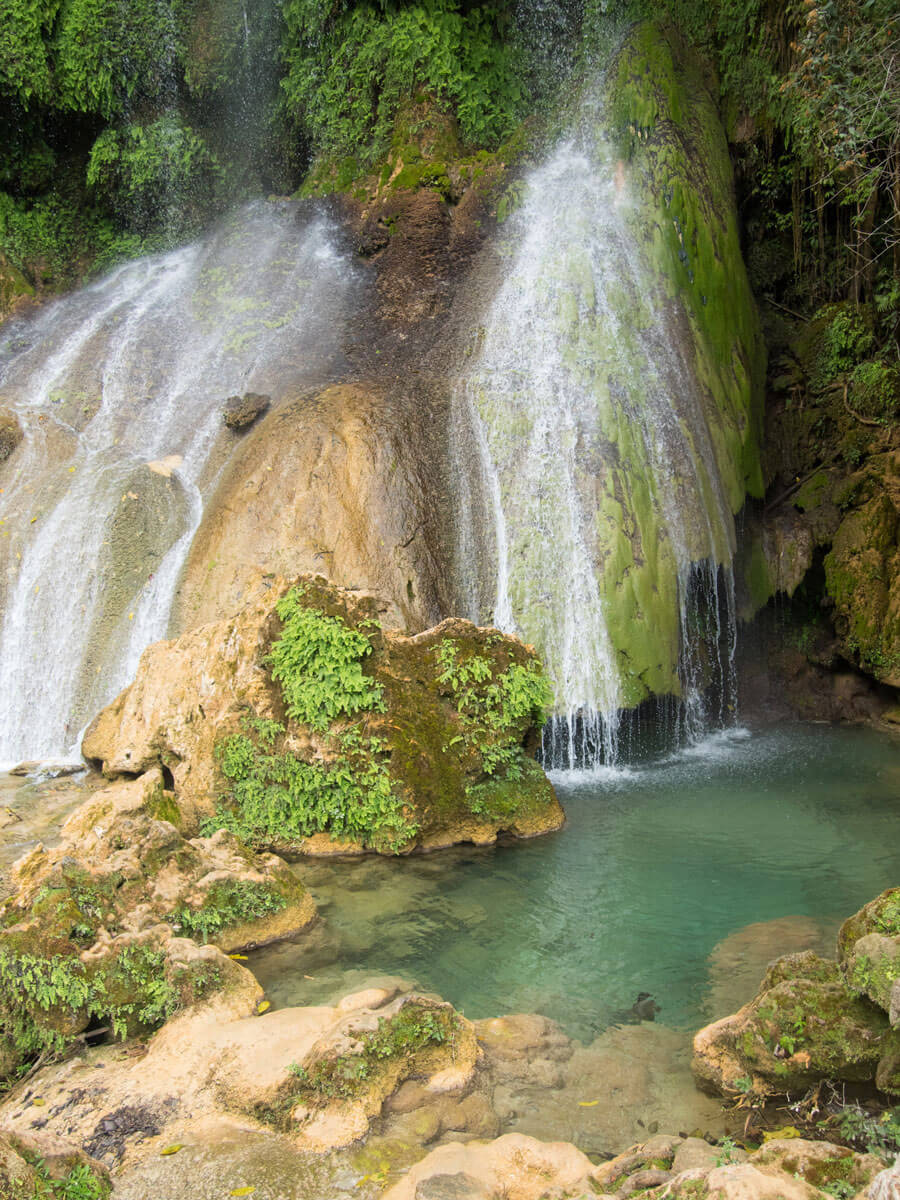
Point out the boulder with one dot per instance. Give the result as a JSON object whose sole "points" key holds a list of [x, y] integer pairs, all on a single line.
{"points": [[241, 411], [304, 726], [339, 483], [513, 1167], [806, 1024], [89, 932], [10, 433]]}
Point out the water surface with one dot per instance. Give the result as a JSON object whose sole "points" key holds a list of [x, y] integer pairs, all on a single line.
{"points": [[659, 868]]}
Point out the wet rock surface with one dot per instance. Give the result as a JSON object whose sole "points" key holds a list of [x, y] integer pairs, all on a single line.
{"points": [[241, 411]]}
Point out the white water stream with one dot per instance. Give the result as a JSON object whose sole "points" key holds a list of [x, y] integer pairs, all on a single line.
{"points": [[584, 457], [129, 371]]}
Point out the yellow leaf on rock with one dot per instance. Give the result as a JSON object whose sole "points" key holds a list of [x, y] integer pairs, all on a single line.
{"points": [[171, 1149], [588, 1103], [244, 1191], [264, 1006], [238, 957], [39, 1101]]}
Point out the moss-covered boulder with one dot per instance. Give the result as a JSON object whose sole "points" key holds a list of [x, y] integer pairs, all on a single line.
{"points": [[862, 576], [14, 287], [805, 1024], [869, 950], [300, 724], [89, 934]]}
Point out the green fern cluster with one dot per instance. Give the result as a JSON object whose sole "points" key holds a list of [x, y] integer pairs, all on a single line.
{"points": [[318, 660], [494, 712], [41, 994], [276, 796], [231, 902], [350, 65]]}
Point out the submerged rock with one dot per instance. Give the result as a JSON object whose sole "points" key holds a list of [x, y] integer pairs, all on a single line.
{"points": [[303, 726]]}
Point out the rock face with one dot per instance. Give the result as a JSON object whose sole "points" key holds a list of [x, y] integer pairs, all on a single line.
{"points": [[10, 433], [241, 411], [814, 1018], [317, 1075], [88, 934], [301, 724], [326, 484]]}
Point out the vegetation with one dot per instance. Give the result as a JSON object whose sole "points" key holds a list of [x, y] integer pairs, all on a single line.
{"points": [[318, 662], [80, 1183], [492, 712], [231, 902], [414, 1028], [48, 994]]}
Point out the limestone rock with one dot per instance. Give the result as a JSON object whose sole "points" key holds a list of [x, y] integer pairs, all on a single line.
{"points": [[804, 1025], [818, 1163], [88, 933], [219, 1067], [513, 1167], [241, 411], [336, 484], [436, 744]]}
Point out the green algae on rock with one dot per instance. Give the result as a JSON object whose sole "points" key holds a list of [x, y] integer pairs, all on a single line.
{"points": [[301, 724], [670, 133]]}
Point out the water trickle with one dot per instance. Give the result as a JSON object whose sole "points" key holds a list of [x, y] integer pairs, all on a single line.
{"points": [[120, 390], [592, 516]]}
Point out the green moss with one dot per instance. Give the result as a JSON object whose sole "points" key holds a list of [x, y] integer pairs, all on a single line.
{"points": [[686, 218], [416, 1027]]}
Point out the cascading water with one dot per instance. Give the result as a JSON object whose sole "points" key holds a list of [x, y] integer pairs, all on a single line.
{"points": [[593, 520], [119, 390]]}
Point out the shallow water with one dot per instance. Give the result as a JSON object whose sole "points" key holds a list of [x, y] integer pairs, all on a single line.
{"points": [[650, 887]]}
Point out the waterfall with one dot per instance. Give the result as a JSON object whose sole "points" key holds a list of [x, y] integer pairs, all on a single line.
{"points": [[593, 520], [119, 389]]}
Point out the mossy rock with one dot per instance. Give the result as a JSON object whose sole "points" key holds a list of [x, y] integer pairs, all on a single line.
{"points": [[806, 1024], [862, 577], [668, 127], [881, 915], [320, 725]]}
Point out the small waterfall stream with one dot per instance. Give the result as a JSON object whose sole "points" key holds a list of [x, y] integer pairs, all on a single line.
{"points": [[593, 521], [120, 390]]}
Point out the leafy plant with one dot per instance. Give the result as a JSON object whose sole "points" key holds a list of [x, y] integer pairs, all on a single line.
{"points": [[318, 662], [350, 65], [414, 1028], [874, 1134], [493, 712], [230, 902]]}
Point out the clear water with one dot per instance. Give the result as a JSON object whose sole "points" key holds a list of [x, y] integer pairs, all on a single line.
{"points": [[650, 887]]}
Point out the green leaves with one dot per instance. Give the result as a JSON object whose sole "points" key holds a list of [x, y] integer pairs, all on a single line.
{"points": [[350, 67], [318, 662]]}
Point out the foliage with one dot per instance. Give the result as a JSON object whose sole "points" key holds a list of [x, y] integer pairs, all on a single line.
{"points": [[231, 902], [350, 65], [875, 390], [874, 1134], [276, 796], [160, 175], [414, 1028], [80, 1183], [42, 994], [112, 53], [493, 712], [318, 662]]}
